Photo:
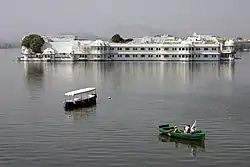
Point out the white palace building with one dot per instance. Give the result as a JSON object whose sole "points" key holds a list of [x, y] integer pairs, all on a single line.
{"points": [[161, 48]]}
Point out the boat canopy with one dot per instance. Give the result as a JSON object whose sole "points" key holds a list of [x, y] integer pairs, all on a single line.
{"points": [[80, 91]]}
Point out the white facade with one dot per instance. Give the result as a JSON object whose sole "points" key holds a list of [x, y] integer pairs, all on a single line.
{"points": [[163, 48]]}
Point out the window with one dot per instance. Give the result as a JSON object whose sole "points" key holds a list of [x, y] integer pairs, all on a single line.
{"points": [[166, 56], [126, 48], [134, 55], [213, 48], [205, 48], [205, 56], [134, 48], [142, 55], [142, 48], [127, 56], [165, 48]]}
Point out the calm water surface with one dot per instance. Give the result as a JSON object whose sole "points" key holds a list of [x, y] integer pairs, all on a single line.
{"points": [[36, 131]]}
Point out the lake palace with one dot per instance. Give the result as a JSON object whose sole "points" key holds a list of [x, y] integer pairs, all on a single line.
{"points": [[161, 48]]}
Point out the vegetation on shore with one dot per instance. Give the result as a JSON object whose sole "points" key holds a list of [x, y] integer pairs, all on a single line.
{"points": [[118, 39], [33, 42]]}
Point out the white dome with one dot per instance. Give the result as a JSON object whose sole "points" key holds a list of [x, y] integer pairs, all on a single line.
{"points": [[229, 42], [99, 43], [49, 51], [146, 40], [26, 51]]}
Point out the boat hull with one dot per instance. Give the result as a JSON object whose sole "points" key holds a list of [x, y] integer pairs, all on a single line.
{"points": [[192, 143], [169, 130], [80, 103]]}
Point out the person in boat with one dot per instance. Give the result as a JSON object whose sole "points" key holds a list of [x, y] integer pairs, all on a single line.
{"points": [[175, 129], [193, 127], [187, 129]]}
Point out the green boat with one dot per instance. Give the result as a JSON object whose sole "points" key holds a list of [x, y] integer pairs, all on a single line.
{"points": [[191, 143], [170, 131]]}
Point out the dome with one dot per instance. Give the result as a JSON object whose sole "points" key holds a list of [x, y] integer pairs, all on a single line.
{"points": [[146, 40], [229, 42], [99, 43], [49, 51], [26, 51]]}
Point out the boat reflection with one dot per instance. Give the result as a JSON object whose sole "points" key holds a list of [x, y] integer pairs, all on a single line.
{"points": [[192, 145], [80, 113]]}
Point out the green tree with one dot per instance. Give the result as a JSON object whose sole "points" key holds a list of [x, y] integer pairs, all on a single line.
{"points": [[26, 42], [239, 38], [117, 38], [129, 40], [33, 42]]}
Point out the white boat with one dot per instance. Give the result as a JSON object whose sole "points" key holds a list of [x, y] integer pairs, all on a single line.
{"points": [[80, 98], [160, 48]]}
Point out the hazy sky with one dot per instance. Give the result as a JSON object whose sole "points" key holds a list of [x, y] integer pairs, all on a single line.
{"points": [[51, 16]]}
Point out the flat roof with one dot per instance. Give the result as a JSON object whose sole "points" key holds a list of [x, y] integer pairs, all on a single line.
{"points": [[79, 91]]}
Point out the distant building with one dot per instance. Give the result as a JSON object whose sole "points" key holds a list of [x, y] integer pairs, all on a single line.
{"points": [[159, 48]]}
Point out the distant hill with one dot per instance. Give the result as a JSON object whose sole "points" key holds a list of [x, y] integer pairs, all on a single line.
{"points": [[134, 31], [81, 35]]}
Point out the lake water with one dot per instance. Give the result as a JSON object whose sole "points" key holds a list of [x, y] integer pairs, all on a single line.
{"points": [[123, 131]]}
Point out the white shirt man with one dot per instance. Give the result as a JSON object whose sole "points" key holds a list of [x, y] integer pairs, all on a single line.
{"points": [[193, 127], [187, 129]]}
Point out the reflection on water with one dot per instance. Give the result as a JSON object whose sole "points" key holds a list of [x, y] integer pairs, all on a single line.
{"points": [[192, 145], [226, 70], [34, 73], [183, 72], [81, 113]]}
